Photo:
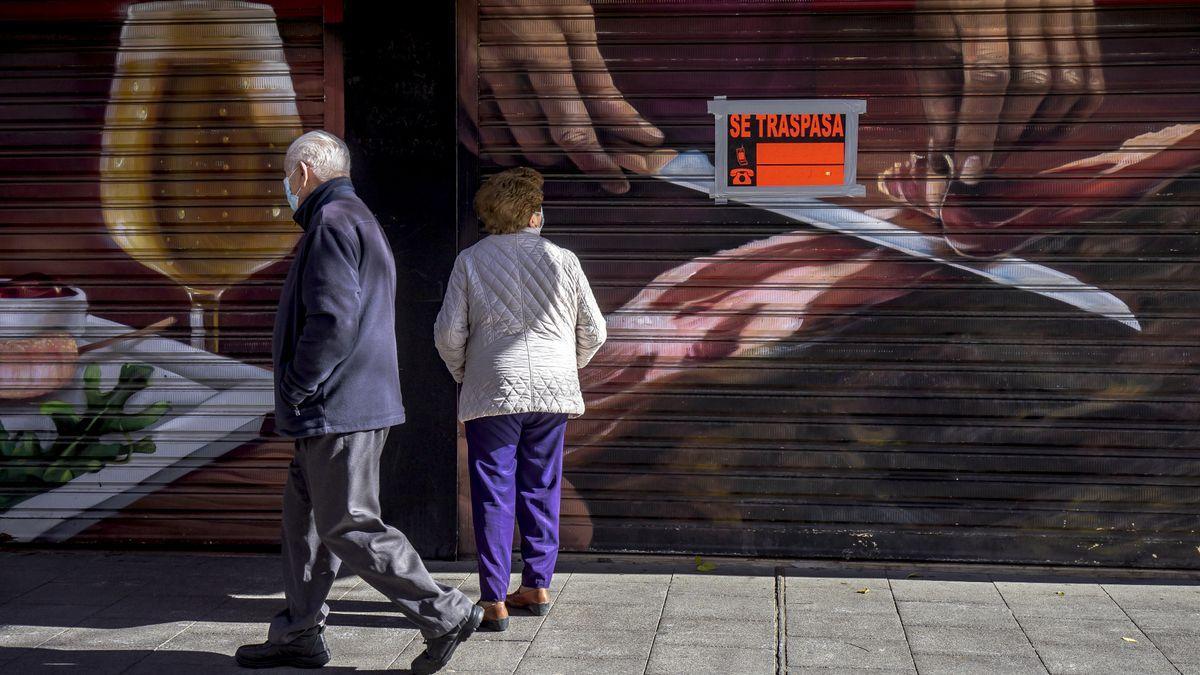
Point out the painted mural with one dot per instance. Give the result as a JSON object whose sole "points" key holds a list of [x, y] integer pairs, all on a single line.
{"points": [[135, 305], [989, 356]]}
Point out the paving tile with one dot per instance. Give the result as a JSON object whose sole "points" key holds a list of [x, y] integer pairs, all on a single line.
{"points": [[473, 656], [186, 663], [1053, 630], [450, 578], [14, 637], [723, 586], [955, 614], [977, 664], [558, 666], [877, 599], [367, 648], [860, 652], [470, 585], [968, 640], [1181, 649], [15, 583], [963, 592], [1019, 588], [250, 565], [592, 645], [174, 657], [691, 659], [147, 637], [1156, 597], [843, 624], [52, 616], [137, 608], [90, 661], [395, 621], [16, 564], [242, 610], [799, 582], [602, 594], [1153, 621], [521, 628], [602, 617], [364, 593], [1122, 658], [84, 592], [1066, 607], [793, 670], [736, 608], [261, 594], [219, 638], [616, 579], [716, 633]]}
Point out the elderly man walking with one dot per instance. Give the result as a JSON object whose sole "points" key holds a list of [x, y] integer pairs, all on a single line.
{"points": [[337, 391]]}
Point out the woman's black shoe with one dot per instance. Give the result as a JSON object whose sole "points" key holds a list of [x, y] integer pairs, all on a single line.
{"points": [[439, 649], [308, 650]]}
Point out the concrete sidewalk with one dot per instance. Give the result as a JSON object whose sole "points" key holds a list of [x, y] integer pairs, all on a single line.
{"points": [[168, 612]]}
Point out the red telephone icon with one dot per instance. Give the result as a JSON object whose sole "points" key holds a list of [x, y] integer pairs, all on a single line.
{"points": [[740, 176]]}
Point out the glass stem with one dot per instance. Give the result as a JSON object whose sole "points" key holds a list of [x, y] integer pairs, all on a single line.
{"points": [[204, 320]]}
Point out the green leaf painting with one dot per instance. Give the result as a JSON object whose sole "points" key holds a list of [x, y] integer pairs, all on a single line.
{"points": [[28, 467]]}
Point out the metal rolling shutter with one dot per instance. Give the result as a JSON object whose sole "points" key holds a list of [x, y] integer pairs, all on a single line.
{"points": [[141, 147], [917, 412]]}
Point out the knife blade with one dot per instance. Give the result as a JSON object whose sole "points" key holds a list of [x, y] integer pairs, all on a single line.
{"points": [[693, 170]]}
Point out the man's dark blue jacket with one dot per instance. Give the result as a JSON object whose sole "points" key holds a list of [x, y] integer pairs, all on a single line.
{"points": [[335, 333]]}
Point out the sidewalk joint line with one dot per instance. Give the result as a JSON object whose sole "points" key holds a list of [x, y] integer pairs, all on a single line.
{"points": [[661, 611], [160, 646], [780, 621], [181, 632], [1139, 627], [1021, 626], [903, 626]]}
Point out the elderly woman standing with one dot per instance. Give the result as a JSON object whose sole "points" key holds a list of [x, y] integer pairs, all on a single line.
{"points": [[518, 322]]}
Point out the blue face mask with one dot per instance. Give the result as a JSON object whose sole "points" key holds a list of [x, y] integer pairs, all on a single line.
{"points": [[292, 199], [542, 220]]}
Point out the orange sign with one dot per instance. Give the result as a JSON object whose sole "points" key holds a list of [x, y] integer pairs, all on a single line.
{"points": [[786, 150]]}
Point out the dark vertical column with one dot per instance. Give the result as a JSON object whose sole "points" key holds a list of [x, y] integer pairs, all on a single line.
{"points": [[400, 125]]}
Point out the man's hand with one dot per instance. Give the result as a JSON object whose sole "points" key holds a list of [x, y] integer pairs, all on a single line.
{"points": [[1017, 71], [541, 64]]}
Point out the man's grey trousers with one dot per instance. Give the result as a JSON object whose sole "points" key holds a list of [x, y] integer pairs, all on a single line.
{"points": [[331, 516]]}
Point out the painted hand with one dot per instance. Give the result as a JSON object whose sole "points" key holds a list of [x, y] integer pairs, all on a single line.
{"points": [[547, 81], [997, 72]]}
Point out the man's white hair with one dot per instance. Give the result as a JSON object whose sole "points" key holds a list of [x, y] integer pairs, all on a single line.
{"points": [[325, 154]]}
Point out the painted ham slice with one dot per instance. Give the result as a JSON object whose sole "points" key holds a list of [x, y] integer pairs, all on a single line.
{"points": [[733, 304]]}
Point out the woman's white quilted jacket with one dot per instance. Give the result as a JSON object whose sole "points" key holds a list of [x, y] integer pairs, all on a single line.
{"points": [[518, 322]]}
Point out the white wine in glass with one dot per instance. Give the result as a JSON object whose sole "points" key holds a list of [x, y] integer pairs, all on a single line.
{"points": [[200, 113]]}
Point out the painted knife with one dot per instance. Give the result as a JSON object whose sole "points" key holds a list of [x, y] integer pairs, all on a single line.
{"points": [[692, 169]]}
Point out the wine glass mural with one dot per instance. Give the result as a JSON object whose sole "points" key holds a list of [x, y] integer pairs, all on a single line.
{"points": [[200, 113]]}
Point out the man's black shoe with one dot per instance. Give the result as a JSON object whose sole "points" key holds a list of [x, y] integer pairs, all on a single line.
{"points": [[308, 650], [439, 649]]}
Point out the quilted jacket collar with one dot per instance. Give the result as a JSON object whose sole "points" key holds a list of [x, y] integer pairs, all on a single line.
{"points": [[537, 231]]}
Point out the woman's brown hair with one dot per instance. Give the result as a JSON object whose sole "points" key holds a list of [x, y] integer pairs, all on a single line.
{"points": [[506, 200]]}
